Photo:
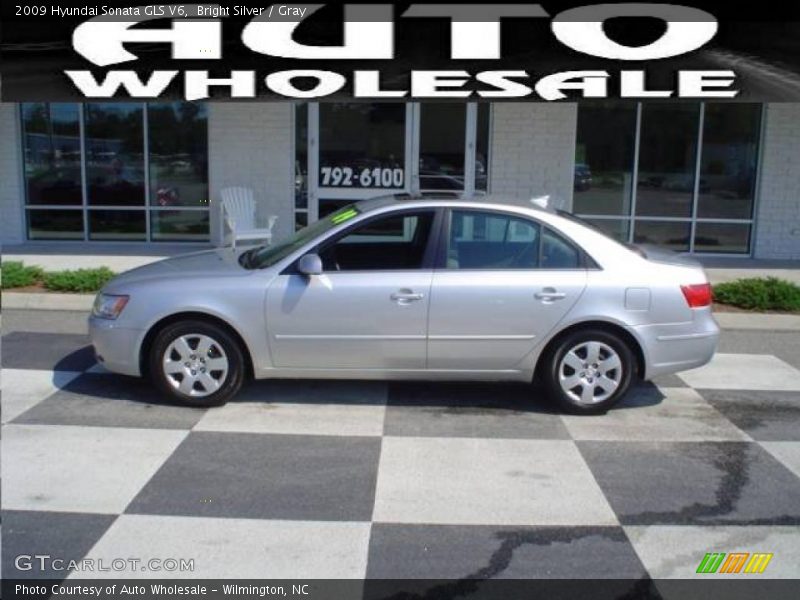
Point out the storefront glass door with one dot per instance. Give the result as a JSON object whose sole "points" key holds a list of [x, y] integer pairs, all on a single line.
{"points": [[363, 150]]}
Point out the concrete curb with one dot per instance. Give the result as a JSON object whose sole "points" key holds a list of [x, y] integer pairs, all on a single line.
{"points": [[83, 302], [775, 322]]}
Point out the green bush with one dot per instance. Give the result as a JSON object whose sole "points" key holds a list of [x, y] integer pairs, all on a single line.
{"points": [[80, 280], [15, 274], [759, 293]]}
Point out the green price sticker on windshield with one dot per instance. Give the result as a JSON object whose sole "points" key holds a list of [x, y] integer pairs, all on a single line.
{"points": [[345, 216]]}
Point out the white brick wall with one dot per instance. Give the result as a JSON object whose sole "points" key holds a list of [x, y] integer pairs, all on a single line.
{"points": [[251, 144], [10, 179], [533, 151], [778, 218]]}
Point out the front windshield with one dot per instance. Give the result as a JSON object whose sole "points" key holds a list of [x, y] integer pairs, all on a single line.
{"points": [[266, 256]]}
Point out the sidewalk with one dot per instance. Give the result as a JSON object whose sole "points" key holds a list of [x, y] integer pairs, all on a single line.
{"points": [[118, 257]]}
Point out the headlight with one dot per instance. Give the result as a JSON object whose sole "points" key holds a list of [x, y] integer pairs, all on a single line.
{"points": [[109, 306]]}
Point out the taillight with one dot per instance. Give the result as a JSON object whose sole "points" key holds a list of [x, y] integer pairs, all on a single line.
{"points": [[697, 295]]}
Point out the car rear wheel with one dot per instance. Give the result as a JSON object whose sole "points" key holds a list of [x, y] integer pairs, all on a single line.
{"points": [[196, 363], [589, 371]]}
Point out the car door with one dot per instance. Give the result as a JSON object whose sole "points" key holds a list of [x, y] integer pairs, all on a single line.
{"points": [[505, 282], [369, 307]]}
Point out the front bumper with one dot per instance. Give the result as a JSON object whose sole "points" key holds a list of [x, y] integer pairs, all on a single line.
{"points": [[673, 347], [116, 348]]}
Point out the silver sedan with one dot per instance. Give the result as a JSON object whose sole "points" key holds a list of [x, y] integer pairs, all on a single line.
{"points": [[413, 288]]}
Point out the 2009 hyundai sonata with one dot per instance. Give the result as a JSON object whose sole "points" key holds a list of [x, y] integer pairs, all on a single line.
{"points": [[413, 288]]}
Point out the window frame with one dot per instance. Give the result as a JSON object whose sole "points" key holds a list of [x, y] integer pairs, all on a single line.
{"points": [[585, 262], [85, 208], [630, 219]]}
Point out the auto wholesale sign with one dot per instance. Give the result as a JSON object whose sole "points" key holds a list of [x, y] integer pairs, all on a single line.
{"points": [[405, 51]]}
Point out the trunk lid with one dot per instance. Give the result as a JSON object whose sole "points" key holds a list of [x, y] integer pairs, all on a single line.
{"points": [[663, 255]]}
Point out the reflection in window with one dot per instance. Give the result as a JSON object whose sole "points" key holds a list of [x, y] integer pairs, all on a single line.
{"points": [[667, 159], [179, 225], [722, 238], [53, 224], [52, 147], [115, 154], [482, 148], [113, 141], [728, 161], [669, 234], [441, 147], [615, 228], [301, 165], [603, 177], [178, 137], [122, 225]]}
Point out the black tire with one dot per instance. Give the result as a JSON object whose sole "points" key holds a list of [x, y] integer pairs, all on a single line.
{"points": [[224, 347], [552, 372]]}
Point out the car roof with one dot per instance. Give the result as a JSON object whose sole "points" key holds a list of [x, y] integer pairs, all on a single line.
{"points": [[444, 199]]}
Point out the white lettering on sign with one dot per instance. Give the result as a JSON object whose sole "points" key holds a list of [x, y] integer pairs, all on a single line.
{"points": [[369, 32], [377, 177]]}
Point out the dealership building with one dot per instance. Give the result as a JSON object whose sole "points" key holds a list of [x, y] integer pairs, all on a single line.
{"points": [[705, 178]]}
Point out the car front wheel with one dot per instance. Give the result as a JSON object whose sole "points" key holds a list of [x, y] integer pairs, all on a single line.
{"points": [[196, 363], [589, 371]]}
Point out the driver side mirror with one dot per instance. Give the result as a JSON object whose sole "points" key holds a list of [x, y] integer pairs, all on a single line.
{"points": [[310, 264]]}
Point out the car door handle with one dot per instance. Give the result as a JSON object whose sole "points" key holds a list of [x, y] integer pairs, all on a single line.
{"points": [[406, 296], [549, 294]]}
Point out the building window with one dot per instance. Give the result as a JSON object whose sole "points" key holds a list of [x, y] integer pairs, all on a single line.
{"points": [[728, 163], [482, 126], [116, 171], [442, 135], [300, 166], [178, 139], [604, 159], [52, 159], [694, 168]]}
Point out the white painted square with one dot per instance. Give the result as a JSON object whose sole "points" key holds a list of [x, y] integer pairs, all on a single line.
{"points": [[788, 453], [237, 548], [682, 415], [675, 551], [744, 372], [295, 418], [80, 469], [25, 388], [488, 482]]}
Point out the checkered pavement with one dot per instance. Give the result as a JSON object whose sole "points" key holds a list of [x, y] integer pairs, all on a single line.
{"points": [[340, 479]]}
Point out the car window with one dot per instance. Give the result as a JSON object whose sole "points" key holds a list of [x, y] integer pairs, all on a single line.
{"points": [[387, 243], [486, 240], [266, 256], [558, 253]]}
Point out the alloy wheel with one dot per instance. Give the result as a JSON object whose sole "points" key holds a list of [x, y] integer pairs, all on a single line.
{"points": [[590, 372], [195, 365]]}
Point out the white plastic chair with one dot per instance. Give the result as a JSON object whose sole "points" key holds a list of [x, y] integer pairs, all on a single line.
{"points": [[239, 214]]}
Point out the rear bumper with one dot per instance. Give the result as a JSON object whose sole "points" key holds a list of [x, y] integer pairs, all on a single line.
{"points": [[116, 348], [673, 347]]}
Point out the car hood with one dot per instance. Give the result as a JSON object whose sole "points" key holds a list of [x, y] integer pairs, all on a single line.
{"points": [[222, 262]]}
